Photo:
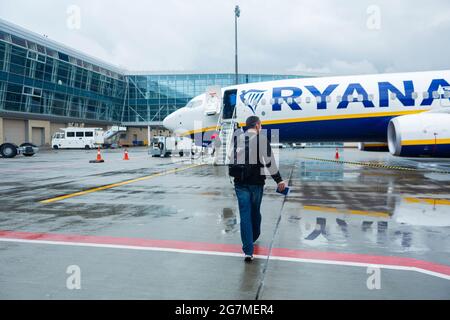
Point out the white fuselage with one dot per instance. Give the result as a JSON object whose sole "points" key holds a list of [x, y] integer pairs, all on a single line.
{"points": [[344, 108]]}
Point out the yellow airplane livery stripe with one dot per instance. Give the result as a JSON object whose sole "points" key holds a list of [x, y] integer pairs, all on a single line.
{"points": [[320, 118], [199, 130], [425, 142], [343, 117]]}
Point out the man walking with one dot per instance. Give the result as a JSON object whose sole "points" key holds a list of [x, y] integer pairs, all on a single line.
{"points": [[250, 155]]}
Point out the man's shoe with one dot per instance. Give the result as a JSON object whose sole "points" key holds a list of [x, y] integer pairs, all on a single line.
{"points": [[248, 258]]}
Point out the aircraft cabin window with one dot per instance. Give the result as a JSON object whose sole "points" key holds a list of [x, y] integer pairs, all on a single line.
{"points": [[435, 95], [263, 101], [328, 99], [360, 98], [298, 100], [319, 99], [350, 98], [393, 96], [308, 99], [289, 100], [371, 97], [426, 95], [272, 101], [338, 98], [414, 95], [447, 94]]}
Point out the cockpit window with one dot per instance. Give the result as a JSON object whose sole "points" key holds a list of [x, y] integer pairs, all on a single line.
{"points": [[194, 103]]}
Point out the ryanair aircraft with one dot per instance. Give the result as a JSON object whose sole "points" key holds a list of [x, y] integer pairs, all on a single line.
{"points": [[408, 111]]}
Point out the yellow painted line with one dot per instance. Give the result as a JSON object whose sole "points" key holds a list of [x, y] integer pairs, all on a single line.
{"points": [[354, 212], [118, 184], [318, 208], [425, 141], [431, 201], [377, 165]]}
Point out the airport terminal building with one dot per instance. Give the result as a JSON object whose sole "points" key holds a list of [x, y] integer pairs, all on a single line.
{"points": [[45, 85]]}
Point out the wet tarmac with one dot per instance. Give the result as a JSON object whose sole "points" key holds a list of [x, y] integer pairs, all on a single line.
{"points": [[369, 226]]}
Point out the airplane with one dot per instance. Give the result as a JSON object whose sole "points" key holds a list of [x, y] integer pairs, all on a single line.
{"points": [[408, 111]]}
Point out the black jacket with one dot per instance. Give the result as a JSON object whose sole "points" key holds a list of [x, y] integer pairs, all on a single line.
{"points": [[250, 158]]}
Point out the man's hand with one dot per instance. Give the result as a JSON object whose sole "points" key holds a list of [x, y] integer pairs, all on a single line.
{"points": [[282, 186]]}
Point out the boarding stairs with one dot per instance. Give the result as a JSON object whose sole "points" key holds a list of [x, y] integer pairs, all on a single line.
{"points": [[114, 130], [225, 129]]}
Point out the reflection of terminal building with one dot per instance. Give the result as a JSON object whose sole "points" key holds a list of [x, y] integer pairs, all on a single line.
{"points": [[45, 86]]}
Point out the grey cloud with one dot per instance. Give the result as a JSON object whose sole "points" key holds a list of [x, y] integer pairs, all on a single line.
{"points": [[324, 37]]}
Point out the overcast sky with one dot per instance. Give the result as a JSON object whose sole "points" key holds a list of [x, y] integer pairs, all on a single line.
{"points": [[282, 36]]}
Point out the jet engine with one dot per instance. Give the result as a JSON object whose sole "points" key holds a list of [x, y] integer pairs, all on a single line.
{"points": [[420, 135]]}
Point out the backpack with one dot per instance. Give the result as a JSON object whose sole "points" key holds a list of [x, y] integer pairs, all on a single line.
{"points": [[243, 172]]}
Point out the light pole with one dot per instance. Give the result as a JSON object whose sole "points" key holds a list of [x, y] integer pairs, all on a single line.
{"points": [[237, 14]]}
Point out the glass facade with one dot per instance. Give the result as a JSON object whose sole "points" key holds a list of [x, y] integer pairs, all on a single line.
{"points": [[38, 79], [153, 97], [39, 76]]}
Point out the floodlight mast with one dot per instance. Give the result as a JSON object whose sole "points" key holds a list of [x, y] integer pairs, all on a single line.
{"points": [[237, 14]]}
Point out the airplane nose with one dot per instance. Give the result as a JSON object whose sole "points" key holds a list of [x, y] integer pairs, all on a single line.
{"points": [[169, 122]]}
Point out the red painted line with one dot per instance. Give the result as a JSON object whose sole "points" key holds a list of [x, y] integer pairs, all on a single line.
{"points": [[137, 242], [230, 248], [362, 258]]}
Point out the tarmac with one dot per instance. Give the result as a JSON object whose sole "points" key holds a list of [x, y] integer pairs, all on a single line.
{"points": [[365, 226]]}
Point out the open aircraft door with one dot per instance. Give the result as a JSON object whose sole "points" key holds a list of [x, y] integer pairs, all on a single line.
{"points": [[213, 100]]}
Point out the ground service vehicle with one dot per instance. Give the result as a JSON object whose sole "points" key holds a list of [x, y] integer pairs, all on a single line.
{"points": [[10, 150], [165, 146], [84, 138]]}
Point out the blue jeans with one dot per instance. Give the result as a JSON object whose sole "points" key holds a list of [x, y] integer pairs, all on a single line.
{"points": [[249, 200]]}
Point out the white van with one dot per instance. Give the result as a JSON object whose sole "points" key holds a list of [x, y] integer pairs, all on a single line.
{"points": [[78, 138]]}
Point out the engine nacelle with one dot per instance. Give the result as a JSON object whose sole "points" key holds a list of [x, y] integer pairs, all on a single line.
{"points": [[373, 146], [420, 135]]}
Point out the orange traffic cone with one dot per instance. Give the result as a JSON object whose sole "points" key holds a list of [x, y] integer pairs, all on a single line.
{"points": [[337, 154], [99, 157], [125, 155]]}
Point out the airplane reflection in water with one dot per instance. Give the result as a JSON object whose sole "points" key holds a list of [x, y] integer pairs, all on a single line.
{"points": [[320, 225], [423, 212], [364, 206]]}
